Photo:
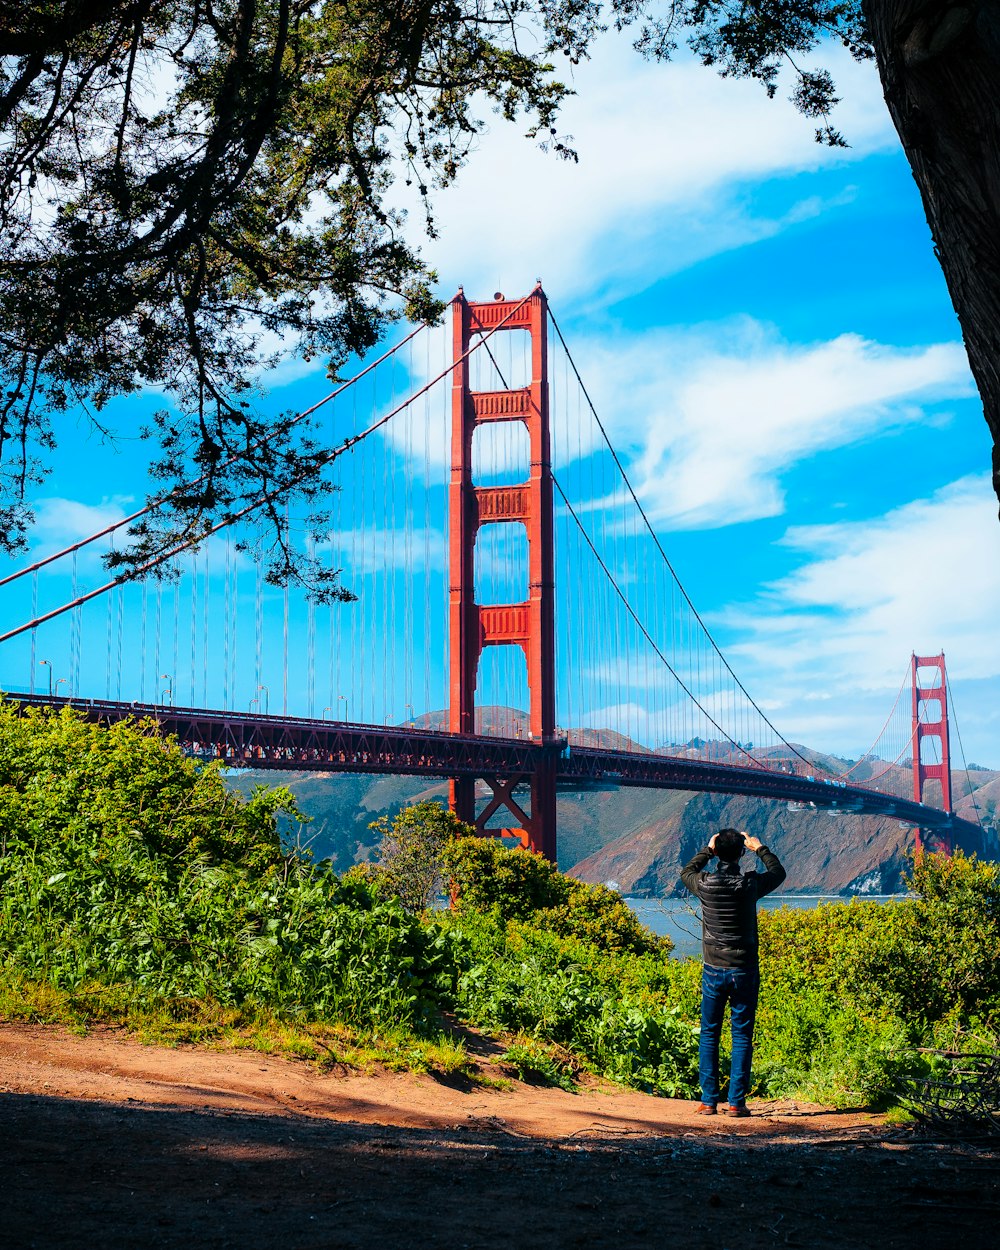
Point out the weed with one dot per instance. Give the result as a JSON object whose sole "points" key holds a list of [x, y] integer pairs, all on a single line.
{"points": [[535, 1062]]}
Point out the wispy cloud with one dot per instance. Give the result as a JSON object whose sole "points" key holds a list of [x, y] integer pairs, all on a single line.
{"points": [[654, 189], [834, 637], [61, 522], [715, 415], [414, 550]]}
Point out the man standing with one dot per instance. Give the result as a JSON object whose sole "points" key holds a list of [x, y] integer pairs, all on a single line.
{"points": [[729, 945]]}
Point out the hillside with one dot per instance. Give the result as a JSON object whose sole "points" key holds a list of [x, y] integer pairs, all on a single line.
{"points": [[641, 838]]}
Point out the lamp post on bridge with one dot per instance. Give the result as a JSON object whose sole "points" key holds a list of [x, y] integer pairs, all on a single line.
{"points": [[47, 664], [343, 697], [325, 710], [267, 697], [169, 691], [63, 681]]}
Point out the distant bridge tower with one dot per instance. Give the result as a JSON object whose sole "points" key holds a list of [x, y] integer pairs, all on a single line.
{"points": [[930, 724], [530, 624]]}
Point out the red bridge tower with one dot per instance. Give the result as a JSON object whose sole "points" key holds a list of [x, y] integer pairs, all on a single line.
{"points": [[930, 723], [530, 624]]}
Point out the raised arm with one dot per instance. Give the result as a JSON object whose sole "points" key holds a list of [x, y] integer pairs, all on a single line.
{"points": [[690, 872], [773, 873]]}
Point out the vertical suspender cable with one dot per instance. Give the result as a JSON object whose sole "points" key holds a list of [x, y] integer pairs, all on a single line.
{"points": [[227, 610], [34, 632], [311, 641], [194, 626], [234, 661], [408, 570], [207, 585], [258, 614], [120, 593], [76, 625], [176, 656], [156, 646], [111, 622], [284, 634], [389, 647], [334, 613], [142, 645], [360, 492], [428, 633]]}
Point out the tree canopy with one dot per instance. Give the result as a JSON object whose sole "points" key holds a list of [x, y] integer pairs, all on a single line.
{"points": [[189, 187]]}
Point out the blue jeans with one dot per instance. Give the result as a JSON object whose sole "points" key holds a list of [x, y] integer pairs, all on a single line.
{"points": [[739, 987]]}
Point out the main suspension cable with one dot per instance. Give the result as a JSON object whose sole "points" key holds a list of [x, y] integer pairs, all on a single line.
{"points": [[965, 762], [268, 497], [646, 634], [155, 504], [666, 559]]}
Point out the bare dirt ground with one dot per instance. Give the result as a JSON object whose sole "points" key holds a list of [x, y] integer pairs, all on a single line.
{"points": [[109, 1143]]}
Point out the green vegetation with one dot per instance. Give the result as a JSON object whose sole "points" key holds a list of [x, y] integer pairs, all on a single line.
{"points": [[135, 889], [132, 881], [411, 863], [851, 990]]}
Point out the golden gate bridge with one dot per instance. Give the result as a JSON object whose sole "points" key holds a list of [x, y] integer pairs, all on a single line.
{"points": [[500, 556]]}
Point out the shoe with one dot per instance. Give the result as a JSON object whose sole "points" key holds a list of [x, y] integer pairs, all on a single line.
{"points": [[705, 1108], [737, 1113]]}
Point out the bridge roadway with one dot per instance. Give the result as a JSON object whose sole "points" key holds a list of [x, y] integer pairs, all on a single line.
{"points": [[253, 740]]}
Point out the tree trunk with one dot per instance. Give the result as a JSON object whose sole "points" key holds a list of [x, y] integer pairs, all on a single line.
{"points": [[940, 69]]}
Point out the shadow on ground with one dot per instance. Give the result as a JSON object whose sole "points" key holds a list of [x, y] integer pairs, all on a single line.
{"points": [[117, 1175]]}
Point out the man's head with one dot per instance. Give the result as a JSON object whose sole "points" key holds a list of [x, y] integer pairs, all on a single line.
{"points": [[729, 845]]}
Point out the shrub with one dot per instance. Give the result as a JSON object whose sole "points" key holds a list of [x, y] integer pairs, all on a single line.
{"points": [[412, 853], [74, 911], [129, 874], [61, 776], [850, 991], [612, 1009], [942, 957], [126, 863], [516, 884]]}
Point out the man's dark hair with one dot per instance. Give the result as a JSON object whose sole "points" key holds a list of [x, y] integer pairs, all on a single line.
{"points": [[729, 845]]}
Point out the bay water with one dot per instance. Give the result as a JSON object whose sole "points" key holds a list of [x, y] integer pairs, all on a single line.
{"points": [[680, 918]]}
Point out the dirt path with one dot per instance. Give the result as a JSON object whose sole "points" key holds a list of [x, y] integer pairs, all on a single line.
{"points": [[110, 1143], [111, 1068]]}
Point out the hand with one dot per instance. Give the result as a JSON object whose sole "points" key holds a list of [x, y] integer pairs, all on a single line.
{"points": [[752, 844], [711, 842]]}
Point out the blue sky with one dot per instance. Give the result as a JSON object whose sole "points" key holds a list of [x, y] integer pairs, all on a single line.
{"points": [[769, 339]]}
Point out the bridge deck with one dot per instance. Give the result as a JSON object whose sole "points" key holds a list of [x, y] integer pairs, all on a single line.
{"points": [[251, 740]]}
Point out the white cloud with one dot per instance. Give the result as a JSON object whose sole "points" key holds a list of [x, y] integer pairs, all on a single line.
{"points": [[662, 148], [933, 565], [417, 551], [714, 416], [709, 416], [924, 578], [61, 522]]}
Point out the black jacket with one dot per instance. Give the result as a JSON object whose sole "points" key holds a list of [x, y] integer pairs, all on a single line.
{"points": [[729, 906]]}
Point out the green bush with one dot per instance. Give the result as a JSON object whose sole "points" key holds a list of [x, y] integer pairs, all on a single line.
{"points": [[412, 854], [127, 864], [939, 956], [612, 1009], [130, 874], [851, 991], [62, 776], [516, 884]]}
